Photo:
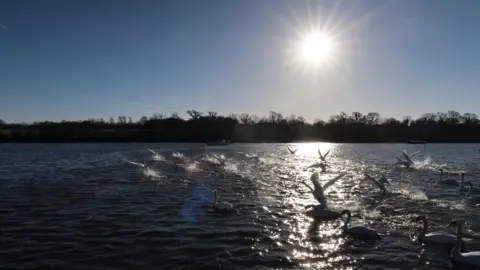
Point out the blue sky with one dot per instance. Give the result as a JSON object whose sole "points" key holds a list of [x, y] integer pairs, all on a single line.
{"points": [[94, 58]]}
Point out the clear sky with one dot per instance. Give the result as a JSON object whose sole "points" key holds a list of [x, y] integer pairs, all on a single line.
{"points": [[93, 58]]}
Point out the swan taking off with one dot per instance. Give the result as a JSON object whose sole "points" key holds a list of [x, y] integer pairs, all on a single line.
{"points": [[292, 151], [448, 182], [380, 184], [318, 190], [438, 238], [220, 159], [408, 157], [323, 157], [221, 206], [320, 214], [358, 231], [464, 260]]}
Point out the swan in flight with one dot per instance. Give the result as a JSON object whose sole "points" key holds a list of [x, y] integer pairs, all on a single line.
{"points": [[438, 238], [449, 182], [358, 231], [318, 190], [221, 206], [469, 196], [292, 151], [465, 260], [323, 157], [380, 184], [321, 214], [144, 165]]}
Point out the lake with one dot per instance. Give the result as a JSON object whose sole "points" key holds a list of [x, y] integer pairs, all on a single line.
{"points": [[83, 206]]}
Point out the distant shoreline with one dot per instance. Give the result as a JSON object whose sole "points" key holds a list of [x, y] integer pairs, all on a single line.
{"points": [[450, 127]]}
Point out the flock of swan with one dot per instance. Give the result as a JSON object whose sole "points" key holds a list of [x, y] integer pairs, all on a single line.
{"points": [[321, 212]]}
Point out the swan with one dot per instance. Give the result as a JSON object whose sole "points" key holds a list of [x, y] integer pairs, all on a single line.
{"points": [[439, 238], [321, 214], [469, 196], [463, 188], [468, 259], [449, 182], [317, 189], [323, 157], [221, 206], [292, 151], [358, 231], [372, 180]]}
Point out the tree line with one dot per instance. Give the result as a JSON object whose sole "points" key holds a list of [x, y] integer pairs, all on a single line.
{"points": [[210, 127]]}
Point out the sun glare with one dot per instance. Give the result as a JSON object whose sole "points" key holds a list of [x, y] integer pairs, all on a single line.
{"points": [[316, 48]]}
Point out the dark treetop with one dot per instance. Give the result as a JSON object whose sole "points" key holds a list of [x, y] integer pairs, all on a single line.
{"points": [[210, 127]]}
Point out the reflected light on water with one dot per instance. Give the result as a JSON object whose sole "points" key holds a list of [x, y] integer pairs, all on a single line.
{"points": [[311, 149]]}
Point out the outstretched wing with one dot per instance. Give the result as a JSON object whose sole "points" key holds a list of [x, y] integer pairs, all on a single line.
{"points": [[153, 152], [331, 182], [326, 154], [292, 151], [135, 163], [320, 153], [407, 157], [412, 155]]}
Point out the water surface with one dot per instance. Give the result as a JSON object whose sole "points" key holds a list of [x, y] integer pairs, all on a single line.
{"points": [[82, 206]]}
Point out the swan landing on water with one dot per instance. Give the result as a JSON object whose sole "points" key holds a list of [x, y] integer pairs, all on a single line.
{"points": [[318, 190], [467, 260], [380, 183]]}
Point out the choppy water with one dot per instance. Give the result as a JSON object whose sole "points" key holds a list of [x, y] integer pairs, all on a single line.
{"points": [[82, 206]]}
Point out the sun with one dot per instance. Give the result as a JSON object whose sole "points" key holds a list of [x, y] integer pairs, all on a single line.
{"points": [[316, 48]]}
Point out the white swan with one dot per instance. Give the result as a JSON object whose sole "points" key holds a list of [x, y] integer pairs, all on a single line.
{"points": [[469, 196], [448, 182], [317, 189], [439, 238], [220, 206], [292, 151], [323, 157], [378, 184], [468, 259], [321, 214], [358, 231]]}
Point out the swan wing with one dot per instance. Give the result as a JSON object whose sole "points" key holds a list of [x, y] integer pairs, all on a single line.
{"points": [[153, 152], [440, 238], [331, 182], [135, 163], [414, 154], [470, 258], [326, 154], [407, 157]]}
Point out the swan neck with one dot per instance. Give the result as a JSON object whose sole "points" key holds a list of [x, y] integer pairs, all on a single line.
{"points": [[215, 198], [441, 176], [458, 244]]}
